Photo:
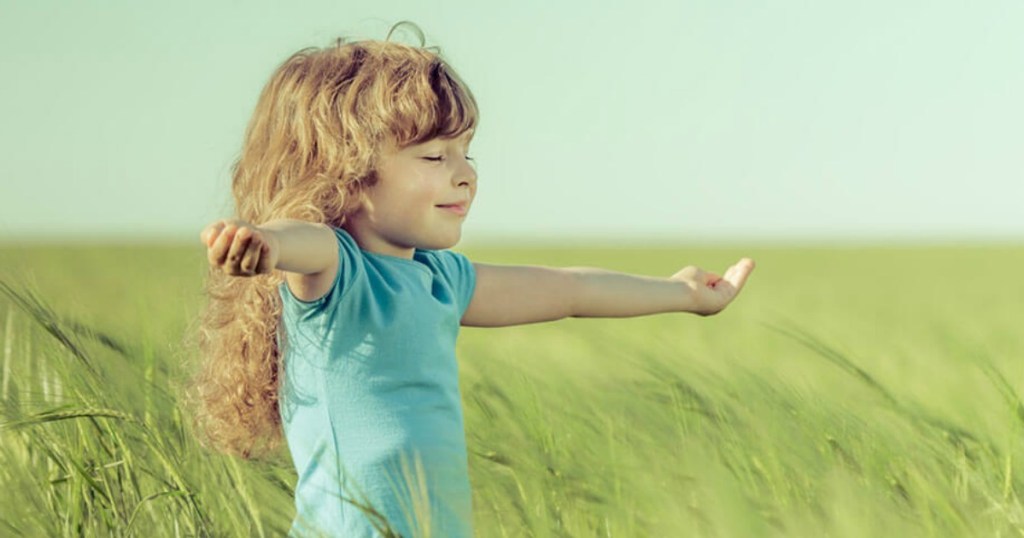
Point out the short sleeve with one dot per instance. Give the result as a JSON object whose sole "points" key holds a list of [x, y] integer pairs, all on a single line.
{"points": [[460, 274], [348, 256]]}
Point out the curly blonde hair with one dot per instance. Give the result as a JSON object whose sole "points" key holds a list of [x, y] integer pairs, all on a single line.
{"points": [[309, 153]]}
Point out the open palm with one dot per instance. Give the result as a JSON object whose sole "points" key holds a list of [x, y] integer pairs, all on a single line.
{"points": [[711, 292]]}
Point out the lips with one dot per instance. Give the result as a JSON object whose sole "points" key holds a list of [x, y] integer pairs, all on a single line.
{"points": [[457, 208], [460, 204]]}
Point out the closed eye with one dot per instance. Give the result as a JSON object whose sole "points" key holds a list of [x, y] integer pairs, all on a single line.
{"points": [[439, 159]]}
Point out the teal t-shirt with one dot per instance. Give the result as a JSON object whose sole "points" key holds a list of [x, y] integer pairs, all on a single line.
{"points": [[370, 398]]}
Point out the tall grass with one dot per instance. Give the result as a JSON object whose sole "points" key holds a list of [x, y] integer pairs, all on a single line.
{"points": [[846, 393]]}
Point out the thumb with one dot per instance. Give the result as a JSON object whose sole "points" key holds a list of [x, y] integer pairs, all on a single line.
{"points": [[738, 273]]}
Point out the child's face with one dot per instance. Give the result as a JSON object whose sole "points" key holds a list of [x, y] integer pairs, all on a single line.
{"points": [[422, 195]]}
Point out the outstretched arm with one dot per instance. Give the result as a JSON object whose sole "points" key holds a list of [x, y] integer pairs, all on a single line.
{"points": [[306, 252], [514, 295]]}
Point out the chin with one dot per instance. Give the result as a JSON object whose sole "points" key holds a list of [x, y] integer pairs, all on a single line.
{"points": [[444, 243]]}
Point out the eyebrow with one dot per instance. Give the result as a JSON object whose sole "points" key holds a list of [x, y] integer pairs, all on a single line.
{"points": [[464, 137]]}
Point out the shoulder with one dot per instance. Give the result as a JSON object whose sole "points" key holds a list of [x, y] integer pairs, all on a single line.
{"points": [[455, 269], [333, 281], [446, 262]]}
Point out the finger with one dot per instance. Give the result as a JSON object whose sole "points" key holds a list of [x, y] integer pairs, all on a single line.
{"points": [[251, 257], [210, 233], [219, 251], [738, 273], [263, 265], [238, 248]]}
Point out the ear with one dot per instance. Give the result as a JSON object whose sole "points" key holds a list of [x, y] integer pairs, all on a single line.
{"points": [[356, 194]]}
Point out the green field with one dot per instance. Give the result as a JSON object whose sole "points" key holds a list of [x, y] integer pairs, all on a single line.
{"points": [[846, 392]]}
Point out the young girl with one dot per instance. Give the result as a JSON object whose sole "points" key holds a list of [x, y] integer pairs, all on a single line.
{"points": [[353, 181]]}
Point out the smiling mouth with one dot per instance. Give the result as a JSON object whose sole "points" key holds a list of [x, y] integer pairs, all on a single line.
{"points": [[458, 209]]}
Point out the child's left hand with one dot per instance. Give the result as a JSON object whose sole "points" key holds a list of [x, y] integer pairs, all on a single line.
{"points": [[712, 293]]}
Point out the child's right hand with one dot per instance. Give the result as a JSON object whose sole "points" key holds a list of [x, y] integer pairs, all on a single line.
{"points": [[239, 248]]}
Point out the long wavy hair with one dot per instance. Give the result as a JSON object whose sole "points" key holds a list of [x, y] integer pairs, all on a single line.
{"points": [[309, 153]]}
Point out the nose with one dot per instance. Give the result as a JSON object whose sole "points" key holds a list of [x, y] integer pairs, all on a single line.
{"points": [[465, 175]]}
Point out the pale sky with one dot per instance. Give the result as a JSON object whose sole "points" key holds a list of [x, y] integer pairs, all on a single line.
{"points": [[683, 121]]}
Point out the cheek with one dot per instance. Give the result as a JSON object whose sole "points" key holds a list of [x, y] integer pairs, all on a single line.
{"points": [[414, 193], [424, 191]]}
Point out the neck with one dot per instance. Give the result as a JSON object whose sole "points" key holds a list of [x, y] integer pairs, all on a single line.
{"points": [[371, 242]]}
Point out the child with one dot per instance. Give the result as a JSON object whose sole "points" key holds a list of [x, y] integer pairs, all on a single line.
{"points": [[353, 181]]}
